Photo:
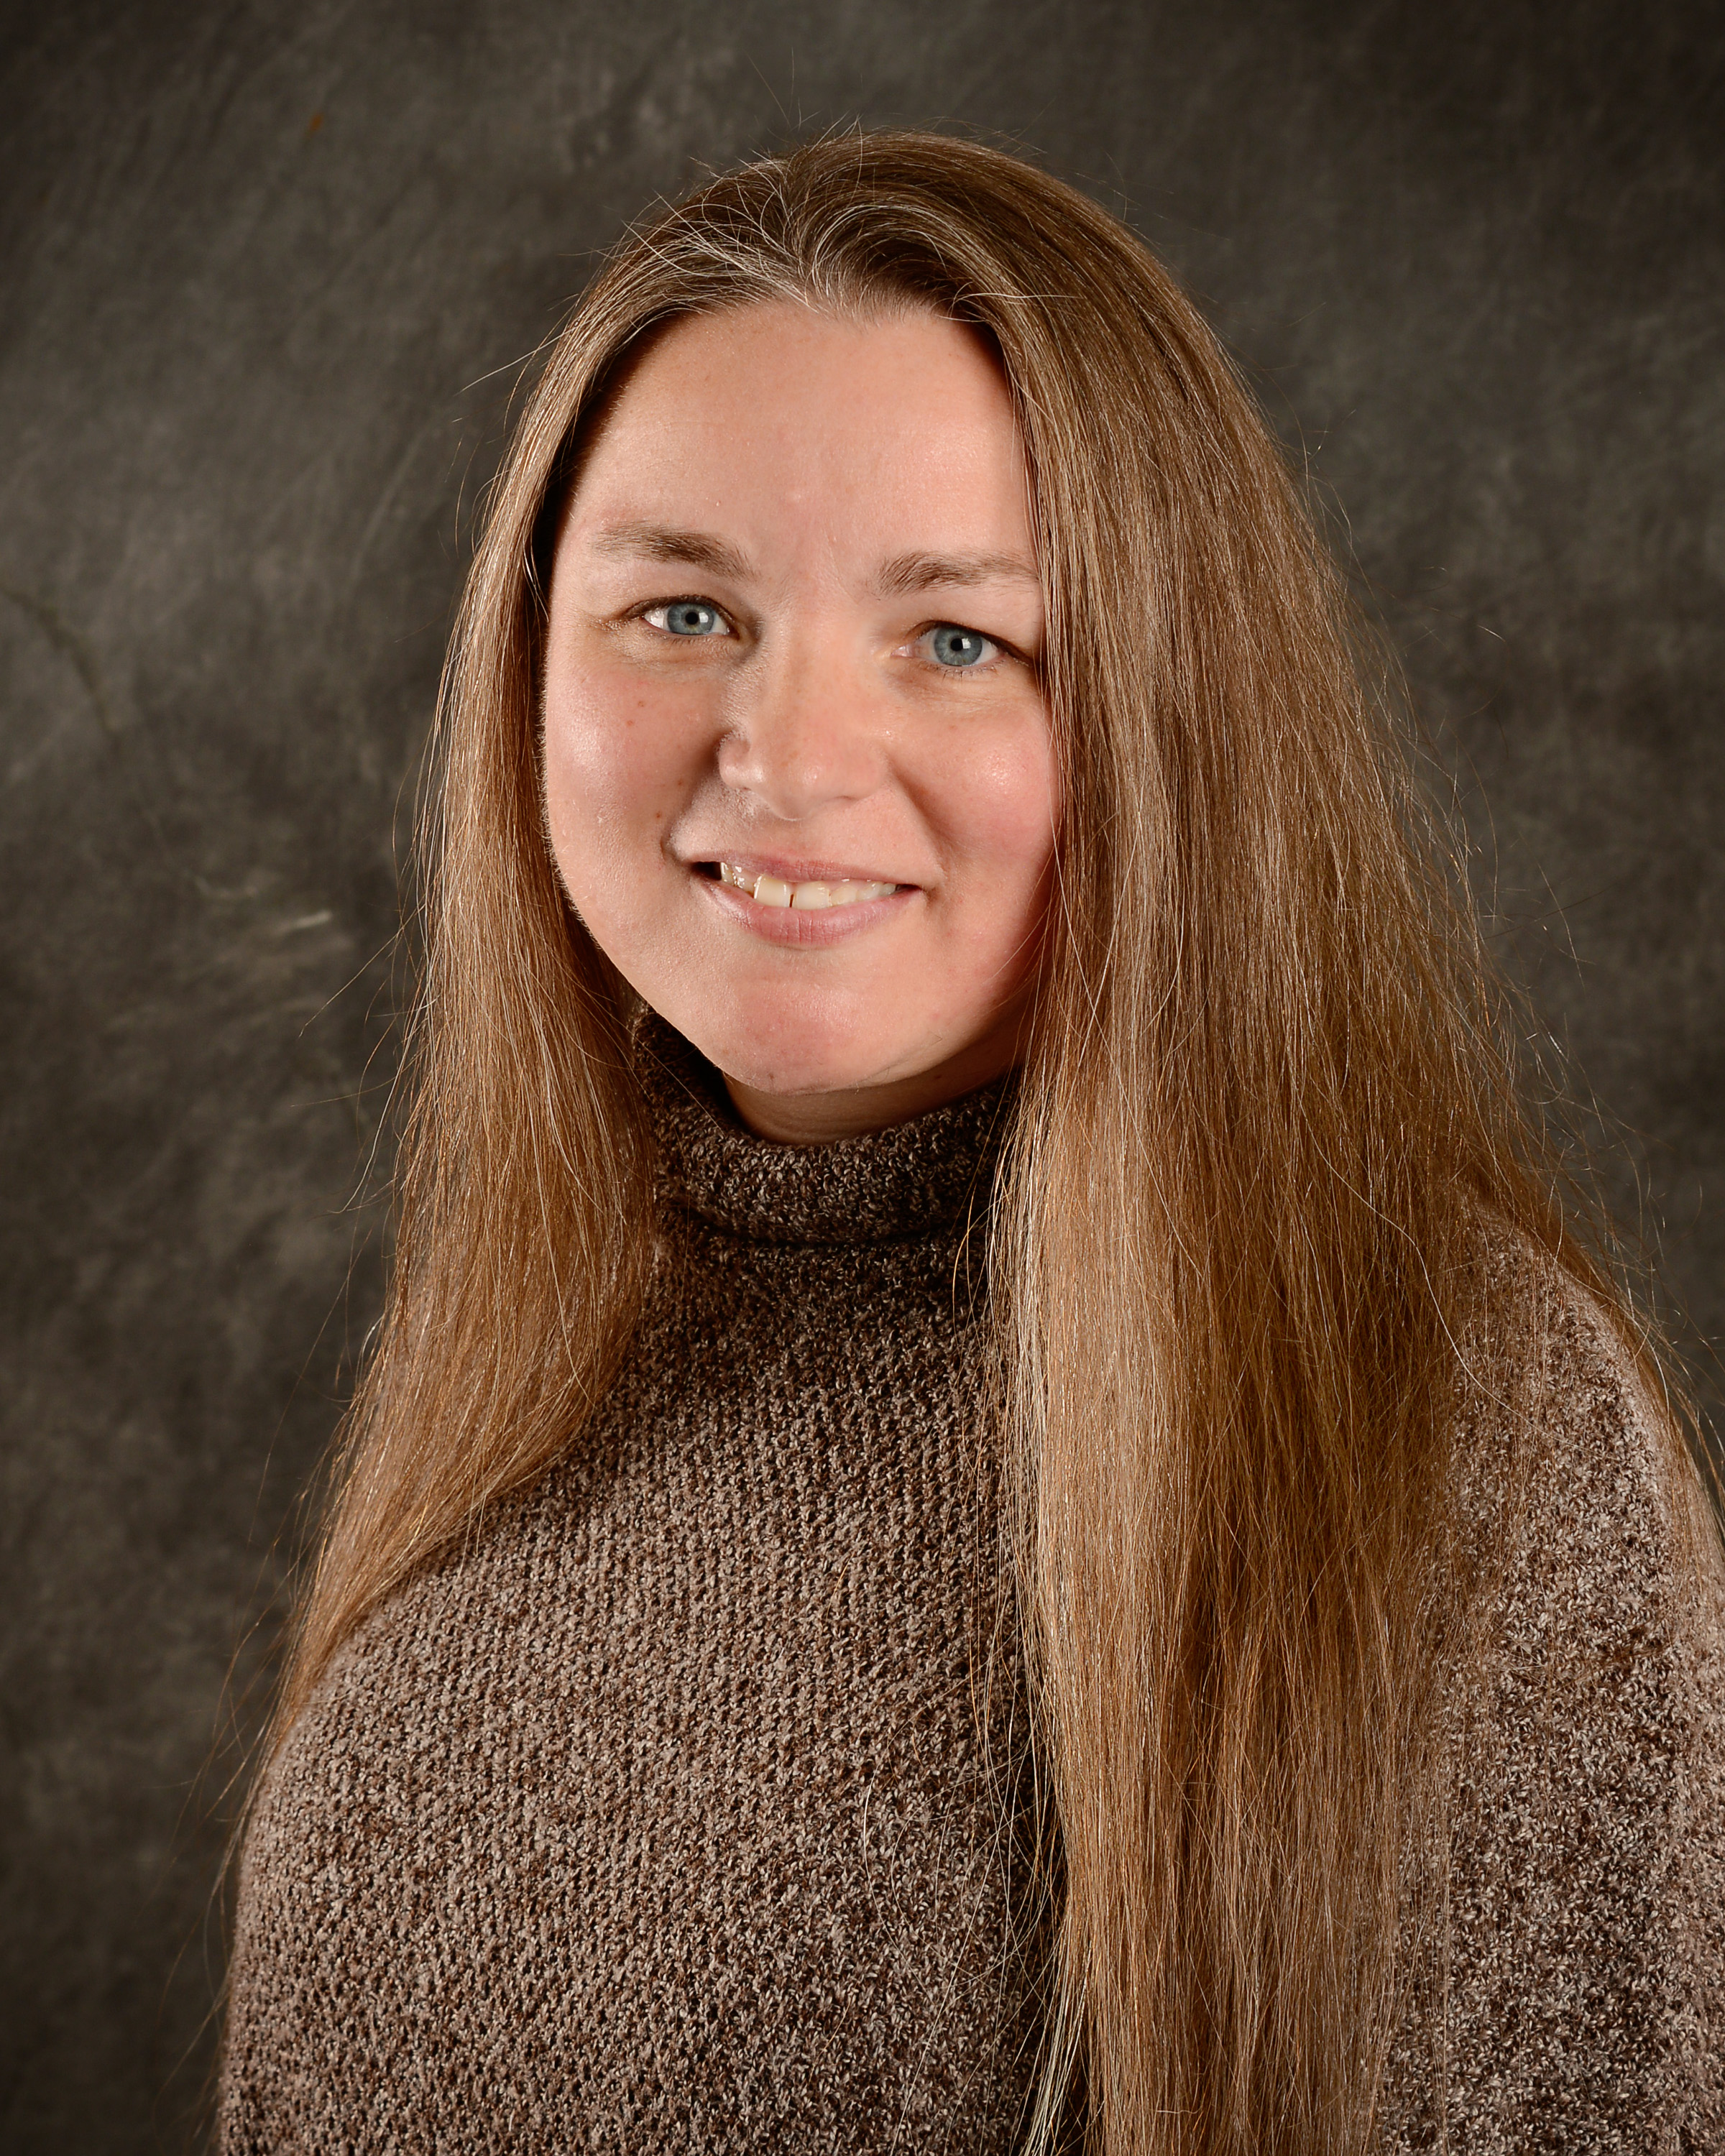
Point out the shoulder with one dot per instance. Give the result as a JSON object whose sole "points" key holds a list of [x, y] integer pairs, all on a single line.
{"points": [[1576, 1976], [1576, 1494], [1591, 1690]]}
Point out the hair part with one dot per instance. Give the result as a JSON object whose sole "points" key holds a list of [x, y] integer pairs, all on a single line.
{"points": [[1267, 1114]]}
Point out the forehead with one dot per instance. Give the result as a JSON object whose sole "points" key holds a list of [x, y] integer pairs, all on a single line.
{"points": [[781, 409]]}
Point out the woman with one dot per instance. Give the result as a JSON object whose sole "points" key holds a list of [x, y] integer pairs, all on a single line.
{"points": [[993, 1509]]}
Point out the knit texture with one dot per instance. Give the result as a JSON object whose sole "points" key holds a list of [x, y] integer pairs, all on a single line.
{"points": [[1572, 1994], [676, 1810], [673, 1813]]}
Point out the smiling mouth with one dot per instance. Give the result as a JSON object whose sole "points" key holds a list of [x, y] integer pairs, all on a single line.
{"points": [[805, 897]]}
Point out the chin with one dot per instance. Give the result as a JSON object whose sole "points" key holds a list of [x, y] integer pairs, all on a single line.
{"points": [[799, 1072], [780, 1056]]}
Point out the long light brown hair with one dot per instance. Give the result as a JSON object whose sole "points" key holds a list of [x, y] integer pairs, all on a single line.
{"points": [[1266, 1108]]}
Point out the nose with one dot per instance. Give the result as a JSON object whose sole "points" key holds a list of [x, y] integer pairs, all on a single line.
{"points": [[802, 734]]}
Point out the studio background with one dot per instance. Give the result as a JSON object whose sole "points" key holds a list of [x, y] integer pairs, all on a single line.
{"points": [[268, 274]]}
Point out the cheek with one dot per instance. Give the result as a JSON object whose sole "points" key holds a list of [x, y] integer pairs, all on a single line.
{"points": [[617, 767], [998, 803]]}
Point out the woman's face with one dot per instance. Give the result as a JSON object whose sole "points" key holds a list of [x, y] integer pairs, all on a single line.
{"points": [[798, 767]]}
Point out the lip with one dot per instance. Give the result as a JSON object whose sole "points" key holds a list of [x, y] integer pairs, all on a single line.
{"points": [[795, 871], [788, 926]]}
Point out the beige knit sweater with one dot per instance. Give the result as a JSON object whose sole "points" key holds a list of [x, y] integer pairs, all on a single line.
{"points": [[669, 1814]]}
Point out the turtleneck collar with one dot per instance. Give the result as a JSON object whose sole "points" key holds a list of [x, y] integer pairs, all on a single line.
{"points": [[911, 1179]]}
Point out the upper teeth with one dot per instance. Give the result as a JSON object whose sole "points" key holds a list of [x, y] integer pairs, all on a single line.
{"points": [[769, 891]]}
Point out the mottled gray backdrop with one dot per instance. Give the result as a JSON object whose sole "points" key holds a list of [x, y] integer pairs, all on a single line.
{"points": [[268, 274]]}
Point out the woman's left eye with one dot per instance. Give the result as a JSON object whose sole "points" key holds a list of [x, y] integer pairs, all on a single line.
{"points": [[686, 617], [955, 648]]}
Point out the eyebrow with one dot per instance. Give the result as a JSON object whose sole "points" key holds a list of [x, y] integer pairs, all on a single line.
{"points": [[921, 573], [664, 542], [903, 574]]}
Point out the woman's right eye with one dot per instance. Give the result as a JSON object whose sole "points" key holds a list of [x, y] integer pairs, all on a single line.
{"points": [[686, 617]]}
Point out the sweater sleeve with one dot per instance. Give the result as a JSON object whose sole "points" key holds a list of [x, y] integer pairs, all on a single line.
{"points": [[1574, 1992]]}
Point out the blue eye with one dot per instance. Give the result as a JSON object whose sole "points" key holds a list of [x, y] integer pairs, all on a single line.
{"points": [[689, 617], [952, 646]]}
